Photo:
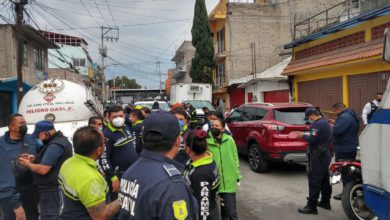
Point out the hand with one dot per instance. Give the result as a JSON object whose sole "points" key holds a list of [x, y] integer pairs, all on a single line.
{"points": [[115, 186], [30, 157], [19, 213], [300, 134], [24, 161], [331, 121]]}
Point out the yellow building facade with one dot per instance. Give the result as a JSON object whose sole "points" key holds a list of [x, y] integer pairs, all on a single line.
{"points": [[342, 63]]}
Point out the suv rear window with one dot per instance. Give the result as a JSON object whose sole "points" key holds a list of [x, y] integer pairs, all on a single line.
{"points": [[292, 116]]}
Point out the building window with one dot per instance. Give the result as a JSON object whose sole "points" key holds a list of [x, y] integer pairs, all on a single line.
{"points": [[221, 40], [79, 62], [25, 55], [220, 79], [39, 59]]}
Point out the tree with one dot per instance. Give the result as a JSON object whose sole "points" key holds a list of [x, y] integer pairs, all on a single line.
{"points": [[201, 66], [124, 83]]}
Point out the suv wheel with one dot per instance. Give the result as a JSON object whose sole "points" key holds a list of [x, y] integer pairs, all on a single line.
{"points": [[256, 160]]}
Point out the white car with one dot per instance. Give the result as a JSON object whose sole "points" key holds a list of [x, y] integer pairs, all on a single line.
{"points": [[163, 105]]}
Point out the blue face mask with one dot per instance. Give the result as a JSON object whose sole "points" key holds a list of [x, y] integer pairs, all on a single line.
{"points": [[40, 142], [181, 125], [310, 121]]}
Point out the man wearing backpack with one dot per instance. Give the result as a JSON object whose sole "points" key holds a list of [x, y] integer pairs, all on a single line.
{"points": [[370, 108]]}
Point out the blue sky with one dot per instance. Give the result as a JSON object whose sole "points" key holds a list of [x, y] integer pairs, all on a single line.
{"points": [[147, 29]]}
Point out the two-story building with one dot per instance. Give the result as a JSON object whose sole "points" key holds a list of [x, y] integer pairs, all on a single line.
{"points": [[249, 37], [72, 60], [183, 59], [341, 62], [35, 64]]}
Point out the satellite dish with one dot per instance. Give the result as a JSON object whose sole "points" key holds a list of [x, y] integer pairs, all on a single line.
{"points": [[386, 47]]}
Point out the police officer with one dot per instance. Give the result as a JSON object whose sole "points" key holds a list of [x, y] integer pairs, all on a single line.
{"points": [[120, 151], [153, 188], [183, 119], [319, 159], [84, 191], [192, 112], [137, 119], [55, 149]]}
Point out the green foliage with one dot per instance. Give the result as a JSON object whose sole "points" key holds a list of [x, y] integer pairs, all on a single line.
{"points": [[201, 67], [124, 82]]}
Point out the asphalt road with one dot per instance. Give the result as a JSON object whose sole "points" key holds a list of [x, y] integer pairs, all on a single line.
{"points": [[277, 194]]}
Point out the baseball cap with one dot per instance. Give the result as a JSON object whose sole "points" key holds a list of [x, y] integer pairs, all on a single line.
{"points": [[160, 126], [42, 126], [311, 111]]}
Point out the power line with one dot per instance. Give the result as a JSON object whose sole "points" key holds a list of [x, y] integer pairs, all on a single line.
{"points": [[109, 9]]}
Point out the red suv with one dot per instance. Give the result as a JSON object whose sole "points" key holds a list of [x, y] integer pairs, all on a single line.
{"points": [[265, 132]]}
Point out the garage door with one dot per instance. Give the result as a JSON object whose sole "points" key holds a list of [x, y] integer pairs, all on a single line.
{"points": [[277, 96], [362, 88], [322, 93]]}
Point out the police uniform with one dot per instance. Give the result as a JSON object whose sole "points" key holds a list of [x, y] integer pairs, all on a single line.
{"points": [[319, 160], [137, 134], [120, 151], [182, 156], [82, 189], [153, 187]]}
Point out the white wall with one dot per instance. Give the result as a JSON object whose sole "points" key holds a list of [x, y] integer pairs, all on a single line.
{"points": [[260, 87]]}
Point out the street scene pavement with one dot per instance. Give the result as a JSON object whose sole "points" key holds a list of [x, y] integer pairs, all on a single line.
{"points": [[278, 194]]}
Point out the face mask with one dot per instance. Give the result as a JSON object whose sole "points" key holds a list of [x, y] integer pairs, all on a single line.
{"points": [[181, 125], [23, 130], [40, 142], [215, 132], [118, 122], [101, 129], [310, 121]]}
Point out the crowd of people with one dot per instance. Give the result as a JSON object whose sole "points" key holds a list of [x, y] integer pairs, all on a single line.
{"points": [[134, 163], [140, 163]]}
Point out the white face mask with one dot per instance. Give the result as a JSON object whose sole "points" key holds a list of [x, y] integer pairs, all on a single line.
{"points": [[118, 122]]}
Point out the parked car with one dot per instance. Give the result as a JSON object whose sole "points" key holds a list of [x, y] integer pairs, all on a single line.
{"points": [[267, 133], [162, 104]]}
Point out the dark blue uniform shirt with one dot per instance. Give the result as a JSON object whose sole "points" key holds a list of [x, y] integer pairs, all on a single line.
{"points": [[320, 134], [9, 151], [153, 188], [120, 150]]}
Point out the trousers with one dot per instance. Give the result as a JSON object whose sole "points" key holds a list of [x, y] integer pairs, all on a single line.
{"points": [[228, 206], [345, 178], [319, 178]]}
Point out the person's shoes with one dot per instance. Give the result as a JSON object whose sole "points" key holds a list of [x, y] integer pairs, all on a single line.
{"points": [[308, 210], [324, 205], [337, 197]]}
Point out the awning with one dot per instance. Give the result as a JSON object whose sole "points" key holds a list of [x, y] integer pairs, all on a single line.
{"points": [[355, 52], [10, 85], [273, 73]]}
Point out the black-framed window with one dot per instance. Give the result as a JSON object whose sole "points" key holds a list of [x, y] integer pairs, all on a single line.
{"points": [[39, 58]]}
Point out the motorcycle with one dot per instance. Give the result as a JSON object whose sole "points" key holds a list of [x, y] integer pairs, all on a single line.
{"points": [[352, 197]]}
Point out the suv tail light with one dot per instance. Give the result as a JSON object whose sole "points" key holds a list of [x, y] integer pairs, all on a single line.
{"points": [[275, 127]]}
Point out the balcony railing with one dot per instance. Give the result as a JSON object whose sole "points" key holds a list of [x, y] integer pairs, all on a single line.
{"points": [[336, 14]]}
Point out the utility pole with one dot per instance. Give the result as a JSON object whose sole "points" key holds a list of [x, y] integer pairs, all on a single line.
{"points": [[159, 73], [103, 52], [253, 49], [19, 7]]}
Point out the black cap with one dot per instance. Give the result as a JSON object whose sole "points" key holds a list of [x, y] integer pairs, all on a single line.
{"points": [[160, 126], [311, 111]]}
